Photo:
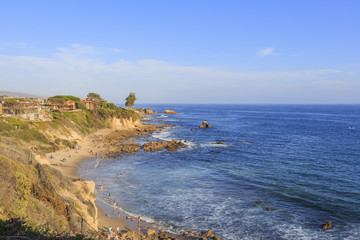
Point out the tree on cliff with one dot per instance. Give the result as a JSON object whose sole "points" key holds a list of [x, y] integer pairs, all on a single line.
{"points": [[130, 100], [94, 96]]}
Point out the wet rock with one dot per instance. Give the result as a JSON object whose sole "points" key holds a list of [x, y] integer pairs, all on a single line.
{"points": [[151, 233], [170, 112], [326, 226], [163, 236], [209, 233], [268, 209], [192, 129], [215, 238], [219, 142], [205, 124], [172, 145]]}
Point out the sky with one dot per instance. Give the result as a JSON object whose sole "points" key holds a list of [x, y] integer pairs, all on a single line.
{"points": [[184, 51]]}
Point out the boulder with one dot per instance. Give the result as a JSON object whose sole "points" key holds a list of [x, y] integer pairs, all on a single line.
{"points": [[326, 226], [170, 112], [209, 233], [205, 124], [215, 238], [151, 233], [130, 235], [268, 209]]}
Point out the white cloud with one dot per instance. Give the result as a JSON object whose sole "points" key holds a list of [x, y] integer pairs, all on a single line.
{"points": [[265, 52], [78, 70]]}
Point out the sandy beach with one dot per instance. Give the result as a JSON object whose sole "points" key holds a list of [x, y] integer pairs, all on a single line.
{"points": [[91, 146]]}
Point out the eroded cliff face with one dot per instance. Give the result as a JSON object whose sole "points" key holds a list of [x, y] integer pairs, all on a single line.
{"points": [[123, 124], [33, 190]]}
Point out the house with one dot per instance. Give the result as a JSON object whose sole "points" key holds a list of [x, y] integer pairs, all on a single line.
{"points": [[67, 106], [22, 108], [89, 104], [92, 104]]}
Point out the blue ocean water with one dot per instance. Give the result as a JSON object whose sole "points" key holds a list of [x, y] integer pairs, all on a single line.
{"points": [[299, 161]]}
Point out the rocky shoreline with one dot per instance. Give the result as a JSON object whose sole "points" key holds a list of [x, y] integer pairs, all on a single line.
{"points": [[116, 143]]}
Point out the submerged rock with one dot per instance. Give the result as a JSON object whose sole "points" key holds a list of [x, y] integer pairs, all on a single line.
{"points": [[326, 226], [205, 124], [219, 142]]}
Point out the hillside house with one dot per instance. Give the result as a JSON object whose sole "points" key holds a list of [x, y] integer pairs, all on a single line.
{"points": [[89, 104], [22, 109], [67, 106]]}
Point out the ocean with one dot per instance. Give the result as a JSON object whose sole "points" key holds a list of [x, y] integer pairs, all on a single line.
{"points": [[280, 172]]}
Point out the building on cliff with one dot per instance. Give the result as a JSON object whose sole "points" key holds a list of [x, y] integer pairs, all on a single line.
{"points": [[67, 106], [23, 108], [92, 104]]}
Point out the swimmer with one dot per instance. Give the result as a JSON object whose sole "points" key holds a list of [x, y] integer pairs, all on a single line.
{"points": [[115, 179]]}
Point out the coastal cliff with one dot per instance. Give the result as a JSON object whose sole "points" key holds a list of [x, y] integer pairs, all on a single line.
{"points": [[33, 190]]}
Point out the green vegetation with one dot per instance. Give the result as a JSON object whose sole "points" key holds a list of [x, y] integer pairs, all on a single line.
{"points": [[29, 193], [130, 100], [94, 96], [21, 130]]}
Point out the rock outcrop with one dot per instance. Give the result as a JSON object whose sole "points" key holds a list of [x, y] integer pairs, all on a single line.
{"points": [[170, 112], [145, 111], [205, 124], [172, 145]]}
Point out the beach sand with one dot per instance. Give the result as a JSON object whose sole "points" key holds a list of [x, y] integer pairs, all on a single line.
{"points": [[94, 146], [70, 168]]}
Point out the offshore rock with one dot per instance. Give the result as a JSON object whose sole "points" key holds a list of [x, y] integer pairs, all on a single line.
{"points": [[145, 111], [326, 226], [205, 124], [170, 112], [172, 145]]}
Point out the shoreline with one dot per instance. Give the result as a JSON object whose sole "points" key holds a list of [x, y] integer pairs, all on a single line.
{"points": [[93, 146], [71, 168]]}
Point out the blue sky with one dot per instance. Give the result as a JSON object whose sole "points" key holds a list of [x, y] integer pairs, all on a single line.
{"points": [[183, 51]]}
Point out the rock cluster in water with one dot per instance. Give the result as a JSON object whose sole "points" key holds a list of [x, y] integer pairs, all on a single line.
{"points": [[205, 124], [172, 145]]}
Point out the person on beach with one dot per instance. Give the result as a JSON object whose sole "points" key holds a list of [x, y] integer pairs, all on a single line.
{"points": [[110, 229], [117, 230], [114, 203], [85, 170], [118, 214], [115, 179], [109, 195]]}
